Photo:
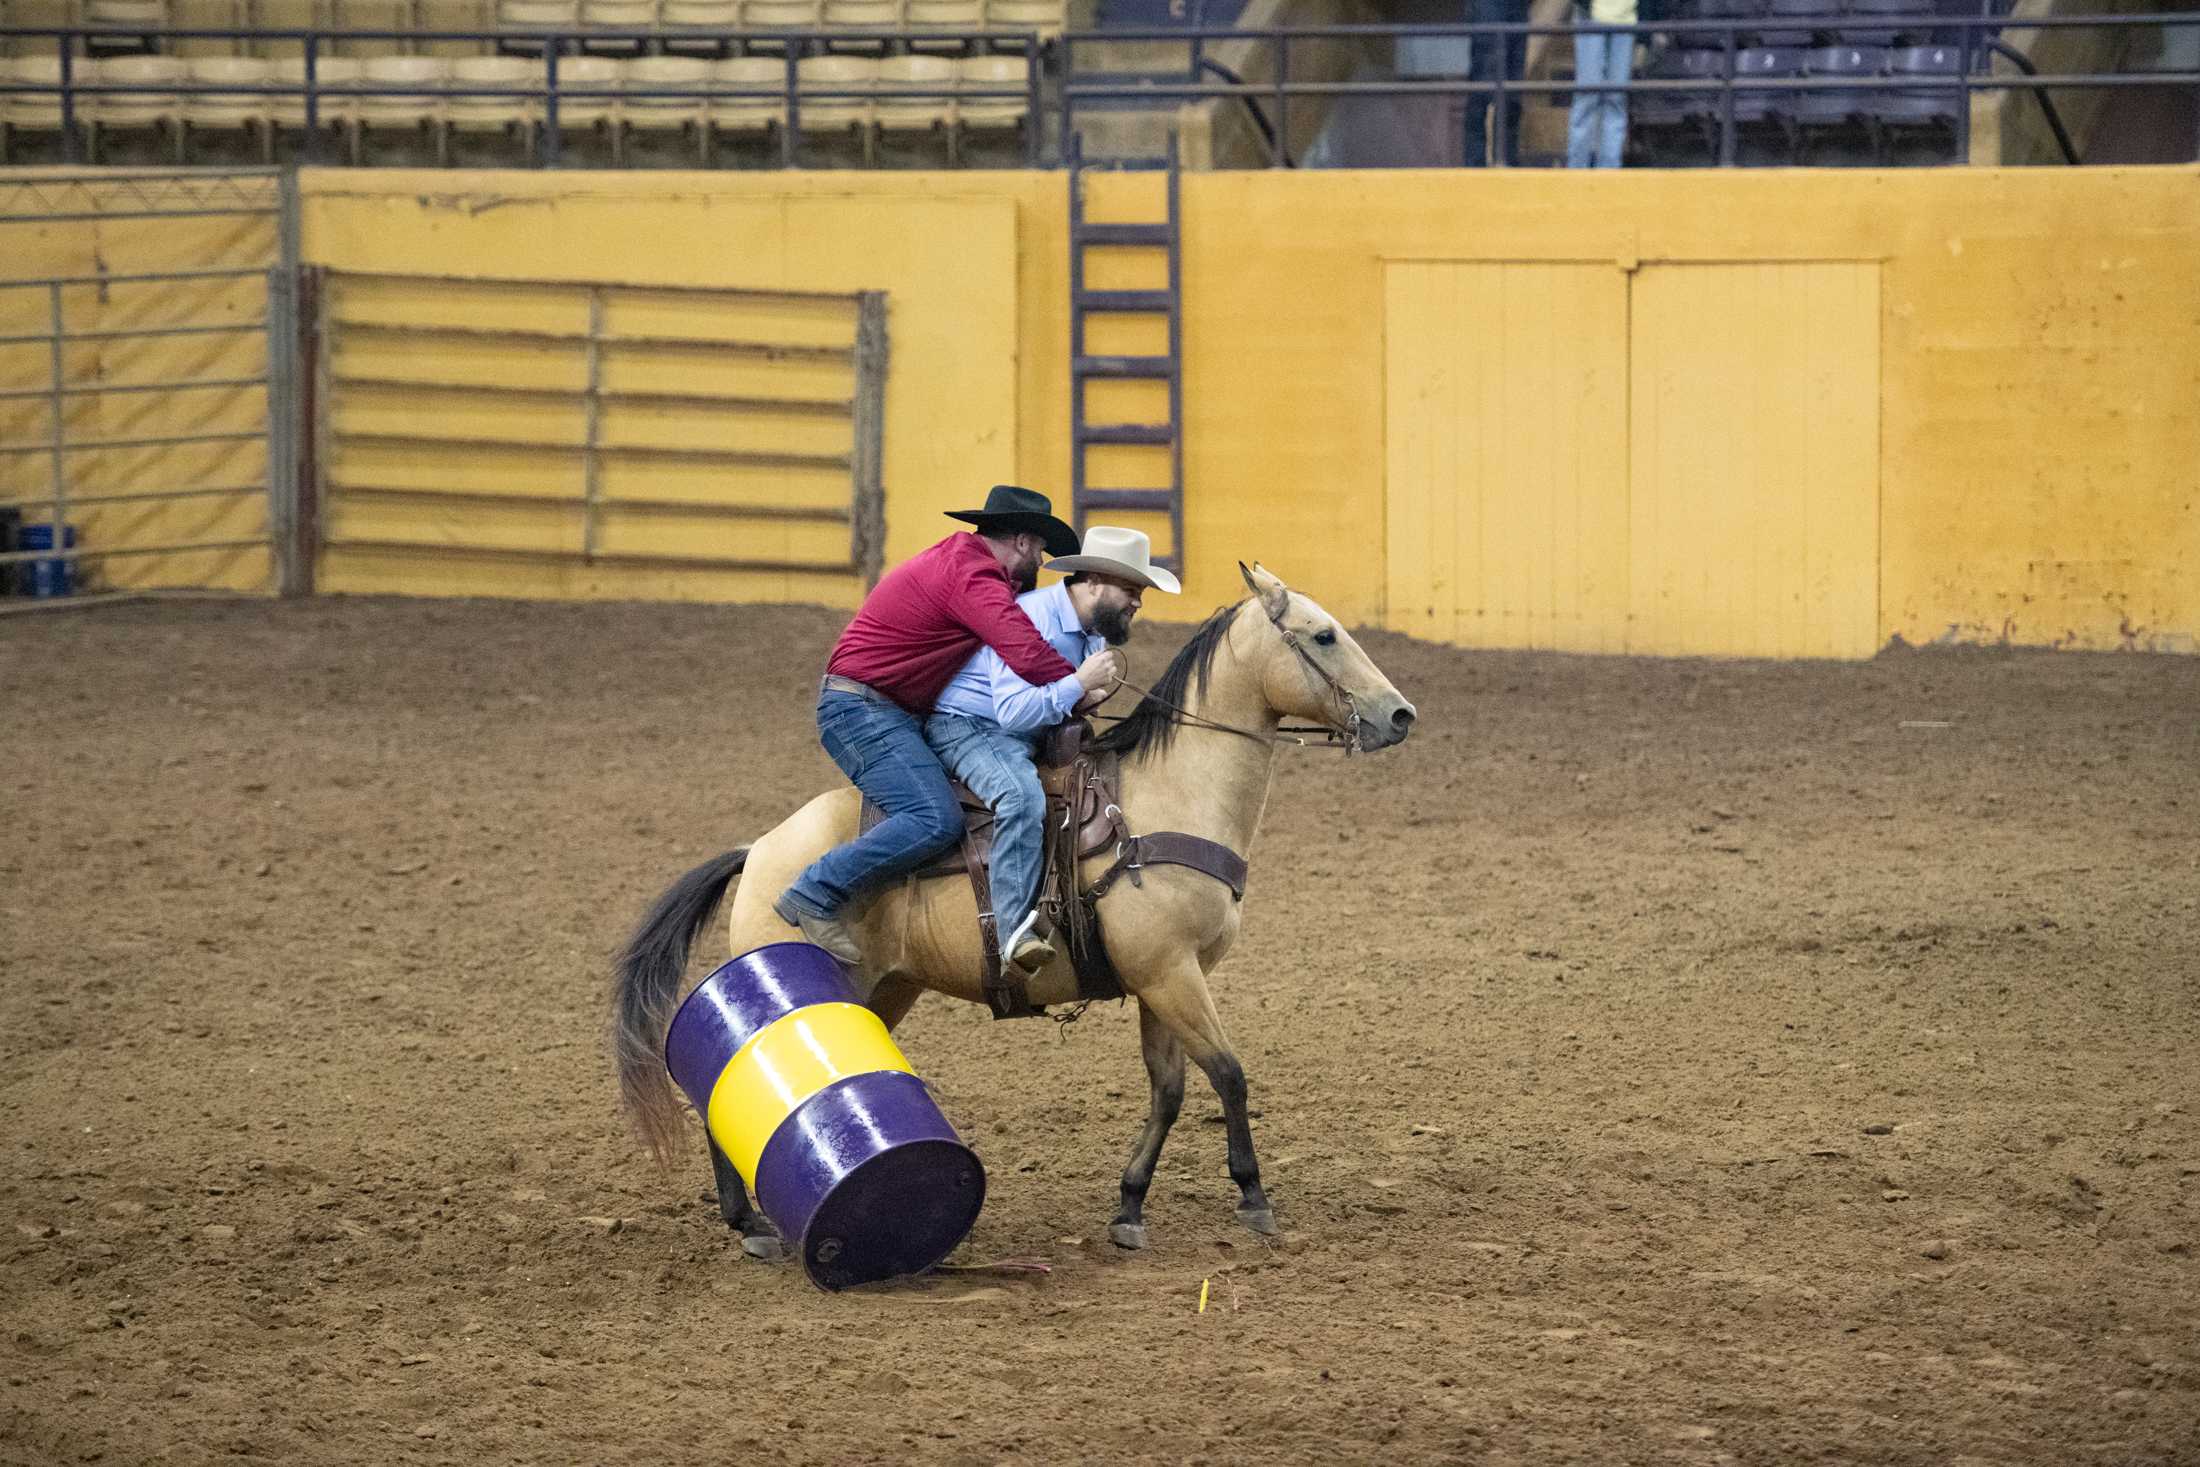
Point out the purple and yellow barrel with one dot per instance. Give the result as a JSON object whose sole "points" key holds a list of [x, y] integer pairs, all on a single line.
{"points": [[808, 1095]]}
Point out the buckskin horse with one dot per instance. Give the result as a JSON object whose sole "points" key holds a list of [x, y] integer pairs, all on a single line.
{"points": [[1196, 757]]}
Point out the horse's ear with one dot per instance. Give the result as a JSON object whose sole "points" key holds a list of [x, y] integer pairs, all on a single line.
{"points": [[1275, 597]]}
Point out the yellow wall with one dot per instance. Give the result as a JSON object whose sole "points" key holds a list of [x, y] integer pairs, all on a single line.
{"points": [[2038, 349], [2039, 367], [945, 250]]}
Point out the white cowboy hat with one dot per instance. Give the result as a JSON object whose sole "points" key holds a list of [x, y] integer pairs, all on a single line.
{"points": [[1111, 550]]}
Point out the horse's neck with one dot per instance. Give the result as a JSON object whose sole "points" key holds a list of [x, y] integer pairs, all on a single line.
{"points": [[1210, 783]]}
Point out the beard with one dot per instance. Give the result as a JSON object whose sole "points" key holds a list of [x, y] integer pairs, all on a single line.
{"points": [[1026, 577], [1114, 624]]}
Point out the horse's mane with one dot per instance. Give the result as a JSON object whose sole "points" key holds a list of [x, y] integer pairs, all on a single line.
{"points": [[1151, 726]]}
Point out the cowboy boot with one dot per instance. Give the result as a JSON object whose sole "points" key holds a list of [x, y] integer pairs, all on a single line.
{"points": [[1027, 948], [829, 933]]}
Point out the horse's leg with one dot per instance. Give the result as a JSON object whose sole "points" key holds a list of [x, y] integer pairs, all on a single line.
{"points": [[892, 999], [759, 1239], [1185, 1006], [1165, 1069]]}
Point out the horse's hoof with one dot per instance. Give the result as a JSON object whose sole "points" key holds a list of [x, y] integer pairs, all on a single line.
{"points": [[1261, 1220], [766, 1247], [1127, 1235]]}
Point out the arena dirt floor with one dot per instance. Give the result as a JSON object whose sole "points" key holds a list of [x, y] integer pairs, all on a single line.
{"points": [[1654, 1061]]}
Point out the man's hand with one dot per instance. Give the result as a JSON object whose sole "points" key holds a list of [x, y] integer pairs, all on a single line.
{"points": [[1102, 670]]}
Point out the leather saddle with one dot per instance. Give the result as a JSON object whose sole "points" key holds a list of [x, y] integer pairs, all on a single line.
{"points": [[1084, 818]]}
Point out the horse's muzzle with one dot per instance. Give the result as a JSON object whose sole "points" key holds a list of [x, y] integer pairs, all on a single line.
{"points": [[1386, 724]]}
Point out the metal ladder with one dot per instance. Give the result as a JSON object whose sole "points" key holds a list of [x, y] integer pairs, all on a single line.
{"points": [[1086, 500]]}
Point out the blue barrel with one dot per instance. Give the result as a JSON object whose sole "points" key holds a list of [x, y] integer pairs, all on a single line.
{"points": [[55, 577], [808, 1095]]}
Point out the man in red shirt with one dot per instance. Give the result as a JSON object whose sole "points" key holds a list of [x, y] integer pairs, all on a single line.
{"points": [[914, 632]]}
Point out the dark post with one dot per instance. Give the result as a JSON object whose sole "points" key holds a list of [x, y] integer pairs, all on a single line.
{"points": [[313, 96], [553, 139], [1728, 43], [1963, 100], [1500, 134], [69, 129], [867, 512], [793, 119], [305, 522]]}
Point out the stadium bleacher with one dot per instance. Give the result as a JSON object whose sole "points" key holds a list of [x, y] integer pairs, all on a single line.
{"points": [[909, 68]]}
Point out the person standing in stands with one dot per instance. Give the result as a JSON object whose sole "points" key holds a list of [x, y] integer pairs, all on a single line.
{"points": [[915, 631], [1495, 56], [1596, 132]]}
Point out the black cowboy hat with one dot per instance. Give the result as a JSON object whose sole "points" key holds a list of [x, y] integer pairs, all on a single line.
{"points": [[1009, 509]]}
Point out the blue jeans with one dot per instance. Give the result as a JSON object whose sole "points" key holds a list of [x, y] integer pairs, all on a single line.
{"points": [[1596, 133], [997, 765], [881, 747], [1493, 56]]}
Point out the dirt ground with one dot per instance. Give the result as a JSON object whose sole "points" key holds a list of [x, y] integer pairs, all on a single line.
{"points": [[1576, 1029]]}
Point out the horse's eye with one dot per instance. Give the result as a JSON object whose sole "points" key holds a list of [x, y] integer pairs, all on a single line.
{"points": [[1325, 638]]}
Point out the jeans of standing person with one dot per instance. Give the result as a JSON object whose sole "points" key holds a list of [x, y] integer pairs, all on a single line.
{"points": [[997, 765], [881, 747], [1596, 133], [1492, 55]]}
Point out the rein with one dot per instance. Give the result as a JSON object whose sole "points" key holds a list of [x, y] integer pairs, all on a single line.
{"points": [[1344, 742]]}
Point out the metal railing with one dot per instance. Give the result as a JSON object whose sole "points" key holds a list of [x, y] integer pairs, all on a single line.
{"points": [[595, 351], [1977, 42], [317, 93], [46, 198]]}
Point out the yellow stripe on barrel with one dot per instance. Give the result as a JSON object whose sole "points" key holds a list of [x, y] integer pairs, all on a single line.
{"points": [[785, 1063]]}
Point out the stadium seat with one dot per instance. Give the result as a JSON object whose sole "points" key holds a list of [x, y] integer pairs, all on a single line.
{"points": [[1746, 13], [335, 104], [779, 15], [675, 16], [916, 94], [989, 114], [864, 24], [587, 74], [280, 15], [1874, 22], [419, 108], [147, 109], [1652, 110], [1761, 63], [477, 114], [1924, 106], [1047, 17], [1834, 108], [231, 111], [39, 112], [836, 114], [624, 15], [680, 81], [747, 115], [124, 23], [943, 15], [1797, 22], [544, 15]]}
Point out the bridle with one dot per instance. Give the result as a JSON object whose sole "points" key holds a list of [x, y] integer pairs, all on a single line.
{"points": [[1345, 740]]}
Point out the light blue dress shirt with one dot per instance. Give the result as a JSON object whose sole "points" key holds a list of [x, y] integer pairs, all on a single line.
{"points": [[986, 689]]}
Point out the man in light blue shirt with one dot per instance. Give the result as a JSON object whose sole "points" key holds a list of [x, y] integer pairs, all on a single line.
{"points": [[984, 725]]}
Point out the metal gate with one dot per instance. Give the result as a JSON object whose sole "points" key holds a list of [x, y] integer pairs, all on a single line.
{"points": [[148, 377], [593, 423]]}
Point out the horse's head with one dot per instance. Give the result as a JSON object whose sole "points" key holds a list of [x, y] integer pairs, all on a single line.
{"points": [[1314, 670]]}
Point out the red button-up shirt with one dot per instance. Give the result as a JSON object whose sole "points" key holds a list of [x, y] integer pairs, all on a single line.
{"points": [[923, 621]]}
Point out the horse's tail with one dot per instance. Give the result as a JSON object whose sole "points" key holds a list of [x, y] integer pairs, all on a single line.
{"points": [[645, 989]]}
